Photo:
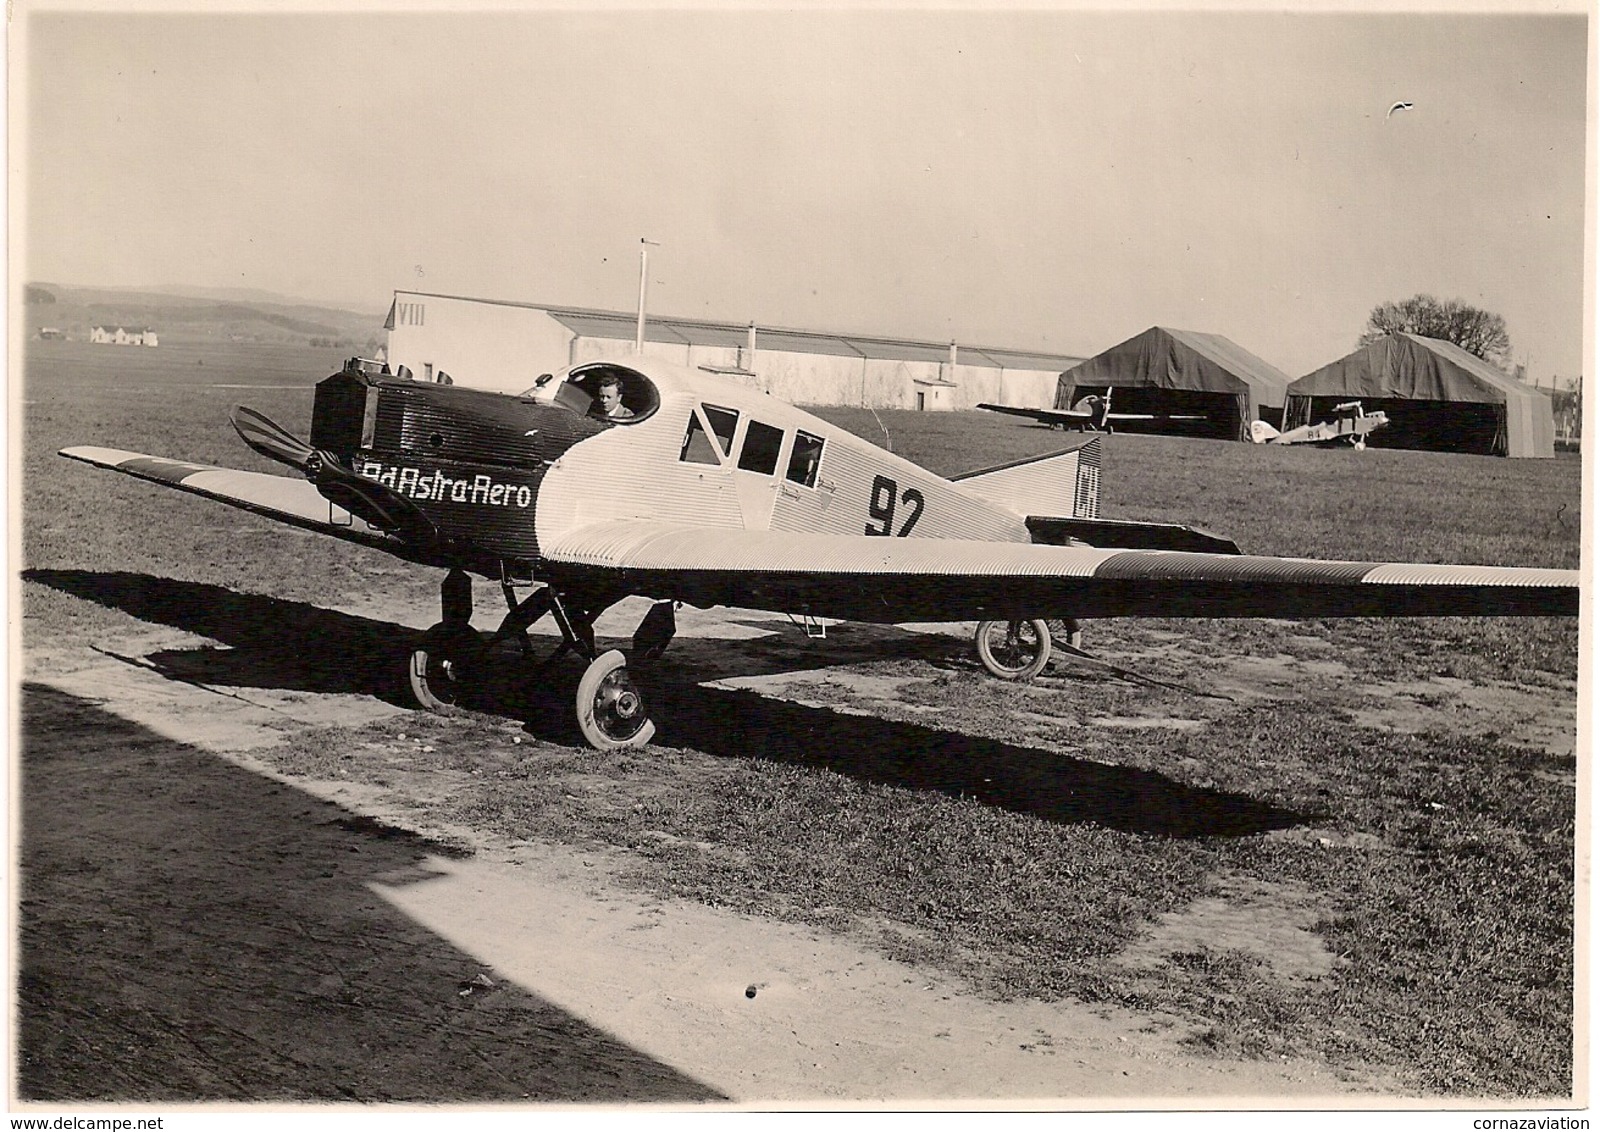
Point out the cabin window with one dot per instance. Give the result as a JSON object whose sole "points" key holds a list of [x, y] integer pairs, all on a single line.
{"points": [[697, 448], [701, 446], [724, 423], [805, 459], [761, 445]]}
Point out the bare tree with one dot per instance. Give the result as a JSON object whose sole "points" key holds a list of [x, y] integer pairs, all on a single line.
{"points": [[1476, 331]]}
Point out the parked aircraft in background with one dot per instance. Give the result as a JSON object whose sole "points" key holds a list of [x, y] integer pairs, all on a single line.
{"points": [[1349, 426], [712, 493], [1089, 413]]}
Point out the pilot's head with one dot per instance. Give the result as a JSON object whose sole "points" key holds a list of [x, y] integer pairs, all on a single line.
{"points": [[609, 393]]}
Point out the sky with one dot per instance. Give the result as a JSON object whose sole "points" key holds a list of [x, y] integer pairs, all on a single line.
{"points": [[1044, 178]]}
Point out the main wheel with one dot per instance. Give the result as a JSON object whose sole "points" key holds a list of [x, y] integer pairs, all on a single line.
{"points": [[1014, 650], [439, 667], [611, 711]]}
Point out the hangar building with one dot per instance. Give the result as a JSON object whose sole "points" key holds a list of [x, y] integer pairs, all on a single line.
{"points": [[1180, 373], [495, 344], [1437, 396]]}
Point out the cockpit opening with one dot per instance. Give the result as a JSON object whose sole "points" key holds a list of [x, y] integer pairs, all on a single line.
{"points": [[604, 391]]}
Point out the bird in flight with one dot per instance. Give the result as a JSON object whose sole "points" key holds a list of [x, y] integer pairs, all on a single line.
{"points": [[1396, 106]]}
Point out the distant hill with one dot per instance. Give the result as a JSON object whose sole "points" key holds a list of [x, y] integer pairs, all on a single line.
{"points": [[188, 315], [237, 295]]}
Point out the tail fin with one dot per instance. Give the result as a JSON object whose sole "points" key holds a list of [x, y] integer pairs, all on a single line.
{"points": [[1058, 494], [1064, 482]]}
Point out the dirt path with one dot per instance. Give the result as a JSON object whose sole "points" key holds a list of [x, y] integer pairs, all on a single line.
{"points": [[826, 1020], [196, 928]]}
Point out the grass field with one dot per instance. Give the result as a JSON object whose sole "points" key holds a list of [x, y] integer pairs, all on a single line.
{"points": [[1383, 840]]}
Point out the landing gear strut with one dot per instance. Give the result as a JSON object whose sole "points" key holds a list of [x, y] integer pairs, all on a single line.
{"points": [[609, 707]]}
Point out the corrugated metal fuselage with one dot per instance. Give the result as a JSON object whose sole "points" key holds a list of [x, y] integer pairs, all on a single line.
{"points": [[638, 472], [501, 476]]}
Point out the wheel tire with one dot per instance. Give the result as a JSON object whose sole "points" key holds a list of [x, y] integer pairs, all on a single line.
{"points": [[440, 667], [1014, 650], [611, 712]]}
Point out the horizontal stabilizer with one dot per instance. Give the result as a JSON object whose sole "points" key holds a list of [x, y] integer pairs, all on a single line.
{"points": [[1125, 534]]}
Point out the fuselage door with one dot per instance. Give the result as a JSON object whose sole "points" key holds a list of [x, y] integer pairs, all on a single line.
{"points": [[755, 478], [803, 493]]}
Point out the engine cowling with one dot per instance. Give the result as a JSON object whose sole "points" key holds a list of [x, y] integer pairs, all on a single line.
{"points": [[470, 460]]}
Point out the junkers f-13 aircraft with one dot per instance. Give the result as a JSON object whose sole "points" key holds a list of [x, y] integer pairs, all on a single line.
{"points": [[699, 490]]}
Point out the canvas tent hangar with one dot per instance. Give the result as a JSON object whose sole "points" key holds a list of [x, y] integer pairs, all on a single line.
{"points": [[1436, 395], [1168, 373]]}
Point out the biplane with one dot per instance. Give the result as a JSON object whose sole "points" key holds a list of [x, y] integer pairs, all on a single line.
{"points": [[715, 494], [1090, 413], [1350, 425]]}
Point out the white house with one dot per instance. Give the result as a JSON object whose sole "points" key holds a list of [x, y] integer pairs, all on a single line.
{"points": [[121, 336]]}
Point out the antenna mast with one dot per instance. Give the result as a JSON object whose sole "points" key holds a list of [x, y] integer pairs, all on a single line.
{"points": [[644, 280]]}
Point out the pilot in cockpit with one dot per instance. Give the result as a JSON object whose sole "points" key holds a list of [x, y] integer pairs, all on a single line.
{"points": [[608, 404]]}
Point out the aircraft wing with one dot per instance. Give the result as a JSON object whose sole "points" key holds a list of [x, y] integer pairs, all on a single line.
{"points": [[293, 501], [1084, 416], [862, 578], [1044, 416]]}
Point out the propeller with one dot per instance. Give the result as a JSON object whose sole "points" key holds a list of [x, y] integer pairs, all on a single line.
{"points": [[271, 440], [371, 501]]}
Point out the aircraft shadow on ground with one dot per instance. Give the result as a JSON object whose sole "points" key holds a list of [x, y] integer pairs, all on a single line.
{"points": [[296, 646], [193, 931], [1045, 784], [271, 642]]}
